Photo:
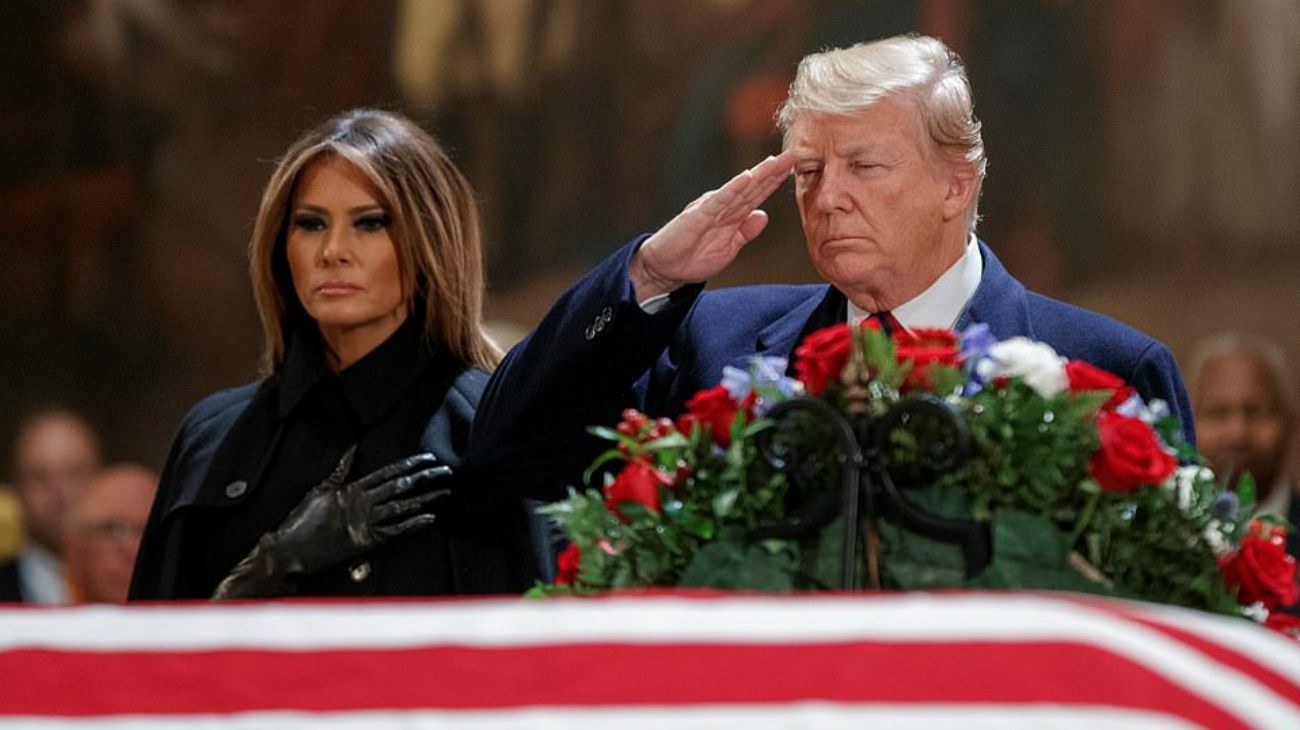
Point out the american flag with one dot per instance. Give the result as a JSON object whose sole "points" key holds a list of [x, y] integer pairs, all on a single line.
{"points": [[677, 660]]}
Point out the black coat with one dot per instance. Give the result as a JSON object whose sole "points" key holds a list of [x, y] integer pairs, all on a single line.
{"points": [[489, 539], [10, 586]]}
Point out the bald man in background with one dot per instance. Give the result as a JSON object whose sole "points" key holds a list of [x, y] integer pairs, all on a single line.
{"points": [[103, 532], [1245, 408], [55, 456]]}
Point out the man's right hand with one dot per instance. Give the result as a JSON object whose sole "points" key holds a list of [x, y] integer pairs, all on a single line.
{"points": [[706, 237]]}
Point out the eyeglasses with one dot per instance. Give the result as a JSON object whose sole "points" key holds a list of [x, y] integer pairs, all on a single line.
{"points": [[115, 530]]}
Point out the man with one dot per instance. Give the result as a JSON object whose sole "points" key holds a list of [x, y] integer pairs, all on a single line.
{"points": [[888, 163], [55, 455], [103, 532], [1245, 409]]}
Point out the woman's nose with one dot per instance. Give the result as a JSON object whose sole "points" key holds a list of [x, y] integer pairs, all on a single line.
{"points": [[336, 247]]}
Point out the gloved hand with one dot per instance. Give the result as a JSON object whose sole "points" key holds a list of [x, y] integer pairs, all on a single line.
{"points": [[335, 522]]}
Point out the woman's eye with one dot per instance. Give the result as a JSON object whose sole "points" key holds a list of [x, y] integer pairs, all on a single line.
{"points": [[370, 223], [309, 223]]}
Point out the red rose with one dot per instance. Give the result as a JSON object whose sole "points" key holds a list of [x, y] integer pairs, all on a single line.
{"points": [[1084, 377], [821, 356], [925, 347], [1261, 570], [1130, 454], [638, 482], [714, 409], [1284, 623], [567, 565]]}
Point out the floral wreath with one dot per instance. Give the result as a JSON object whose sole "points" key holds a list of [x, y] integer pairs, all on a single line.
{"points": [[1077, 477]]}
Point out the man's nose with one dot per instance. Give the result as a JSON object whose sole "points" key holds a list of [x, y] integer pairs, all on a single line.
{"points": [[832, 194]]}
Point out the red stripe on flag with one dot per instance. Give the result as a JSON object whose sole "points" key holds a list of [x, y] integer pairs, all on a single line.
{"points": [[43, 682]]}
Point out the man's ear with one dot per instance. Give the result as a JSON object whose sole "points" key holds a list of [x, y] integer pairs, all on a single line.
{"points": [[961, 190]]}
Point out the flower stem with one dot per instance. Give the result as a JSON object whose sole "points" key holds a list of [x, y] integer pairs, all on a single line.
{"points": [[1085, 518]]}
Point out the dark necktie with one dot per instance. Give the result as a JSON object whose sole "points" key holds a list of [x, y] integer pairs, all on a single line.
{"points": [[889, 324]]}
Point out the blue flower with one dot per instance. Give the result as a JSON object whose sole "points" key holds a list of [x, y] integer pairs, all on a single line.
{"points": [[976, 341], [737, 382], [766, 376], [1226, 507]]}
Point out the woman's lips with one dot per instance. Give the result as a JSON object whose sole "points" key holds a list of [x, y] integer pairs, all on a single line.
{"points": [[337, 289]]}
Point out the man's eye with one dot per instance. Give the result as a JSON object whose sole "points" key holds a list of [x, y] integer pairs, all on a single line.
{"points": [[808, 173], [370, 223], [309, 223]]}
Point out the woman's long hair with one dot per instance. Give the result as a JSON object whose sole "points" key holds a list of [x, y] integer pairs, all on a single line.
{"points": [[435, 226]]}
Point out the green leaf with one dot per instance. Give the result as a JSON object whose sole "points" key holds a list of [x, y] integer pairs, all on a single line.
{"points": [[724, 502], [605, 457], [733, 565], [1029, 551]]}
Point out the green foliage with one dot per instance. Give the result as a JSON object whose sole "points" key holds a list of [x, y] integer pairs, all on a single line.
{"points": [[1028, 479]]}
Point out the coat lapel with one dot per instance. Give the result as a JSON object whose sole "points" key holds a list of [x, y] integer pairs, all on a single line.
{"points": [[825, 307], [1001, 302]]}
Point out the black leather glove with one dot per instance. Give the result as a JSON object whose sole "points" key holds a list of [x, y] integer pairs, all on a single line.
{"points": [[335, 522]]}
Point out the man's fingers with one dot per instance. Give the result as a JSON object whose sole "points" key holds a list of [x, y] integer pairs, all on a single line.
{"points": [[753, 225], [397, 468], [746, 191], [404, 507]]}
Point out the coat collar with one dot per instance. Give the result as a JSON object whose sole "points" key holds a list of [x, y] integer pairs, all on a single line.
{"points": [[1001, 302], [372, 385]]}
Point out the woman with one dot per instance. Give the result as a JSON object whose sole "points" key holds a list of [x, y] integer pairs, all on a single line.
{"points": [[366, 266]]}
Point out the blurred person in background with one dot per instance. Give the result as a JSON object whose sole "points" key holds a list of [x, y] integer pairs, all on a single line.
{"points": [[1245, 408], [366, 264], [55, 455], [103, 532]]}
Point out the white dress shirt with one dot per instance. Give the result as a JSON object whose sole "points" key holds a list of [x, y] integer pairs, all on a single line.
{"points": [[943, 302], [40, 577]]}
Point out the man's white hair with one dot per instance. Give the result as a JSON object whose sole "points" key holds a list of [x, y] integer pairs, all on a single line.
{"points": [[844, 81]]}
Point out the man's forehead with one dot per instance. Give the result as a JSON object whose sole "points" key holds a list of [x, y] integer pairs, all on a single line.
{"points": [[1237, 374], [874, 129]]}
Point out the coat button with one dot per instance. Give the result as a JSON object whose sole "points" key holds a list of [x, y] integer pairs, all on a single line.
{"points": [[359, 571], [236, 489], [606, 315], [591, 331]]}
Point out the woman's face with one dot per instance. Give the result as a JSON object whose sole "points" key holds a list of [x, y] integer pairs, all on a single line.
{"points": [[343, 259]]}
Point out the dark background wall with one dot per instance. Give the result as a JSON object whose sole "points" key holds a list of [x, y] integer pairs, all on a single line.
{"points": [[1143, 158]]}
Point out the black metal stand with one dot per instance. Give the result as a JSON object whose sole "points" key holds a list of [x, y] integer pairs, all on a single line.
{"points": [[868, 490]]}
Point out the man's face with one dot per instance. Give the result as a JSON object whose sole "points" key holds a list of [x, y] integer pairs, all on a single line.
{"points": [[1241, 423], [882, 213], [53, 460], [104, 532]]}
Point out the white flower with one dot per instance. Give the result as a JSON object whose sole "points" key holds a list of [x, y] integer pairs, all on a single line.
{"points": [[1148, 413], [1183, 484], [1034, 362], [1255, 612], [1213, 536]]}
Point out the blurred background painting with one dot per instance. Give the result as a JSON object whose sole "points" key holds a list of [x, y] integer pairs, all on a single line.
{"points": [[1144, 158]]}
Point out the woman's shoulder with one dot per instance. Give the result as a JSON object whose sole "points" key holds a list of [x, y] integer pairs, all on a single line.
{"points": [[219, 410], [467, 390]]}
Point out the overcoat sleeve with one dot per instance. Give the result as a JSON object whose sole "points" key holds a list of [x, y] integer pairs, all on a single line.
{"points": [[579, 367], [158, 574]]}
